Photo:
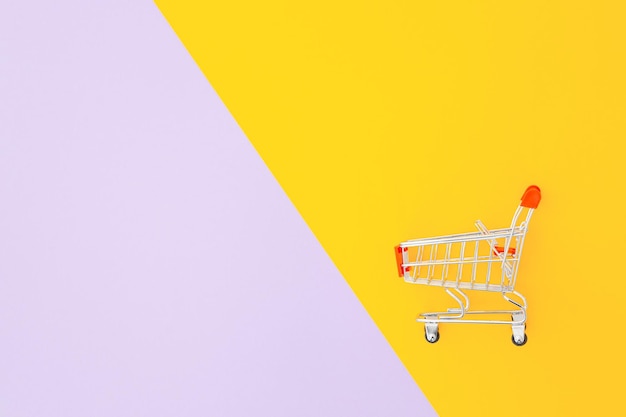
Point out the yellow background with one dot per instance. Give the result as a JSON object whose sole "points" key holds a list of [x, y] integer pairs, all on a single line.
{"points": [[389, 120]]}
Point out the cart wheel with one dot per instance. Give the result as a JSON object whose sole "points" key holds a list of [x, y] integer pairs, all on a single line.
{"points": [[521, 342], [433, 337]]}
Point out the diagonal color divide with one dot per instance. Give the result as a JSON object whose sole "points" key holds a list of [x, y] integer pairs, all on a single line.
{"points": [[150, 265], [387, 120]]}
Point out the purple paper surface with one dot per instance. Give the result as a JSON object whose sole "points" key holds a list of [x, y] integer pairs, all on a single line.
{"points": [[150, 265]]}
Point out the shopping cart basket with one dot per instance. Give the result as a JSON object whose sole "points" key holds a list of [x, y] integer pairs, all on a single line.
{"points": [[486, 260]]}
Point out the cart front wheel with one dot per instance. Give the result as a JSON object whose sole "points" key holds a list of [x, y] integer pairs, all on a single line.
{"points": [[518, 342], [432, 337]]}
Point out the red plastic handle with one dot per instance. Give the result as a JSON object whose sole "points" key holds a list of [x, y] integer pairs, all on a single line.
{"points": [[531, 197]]}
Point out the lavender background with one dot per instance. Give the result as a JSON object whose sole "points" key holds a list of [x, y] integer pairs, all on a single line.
{"points": [[150, 265]]}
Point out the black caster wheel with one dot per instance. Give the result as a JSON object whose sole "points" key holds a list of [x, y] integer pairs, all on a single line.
{"points": [[433, 340], [521, 343]]}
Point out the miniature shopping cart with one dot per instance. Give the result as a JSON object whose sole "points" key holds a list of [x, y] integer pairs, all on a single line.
{"points": [[486, 260]]}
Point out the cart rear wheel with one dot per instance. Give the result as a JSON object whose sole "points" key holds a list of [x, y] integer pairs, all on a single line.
{"points": [[431, 338], [521, 342]]}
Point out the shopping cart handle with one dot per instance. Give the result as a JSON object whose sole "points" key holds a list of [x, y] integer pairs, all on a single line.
{"points": [[531, 197]]}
